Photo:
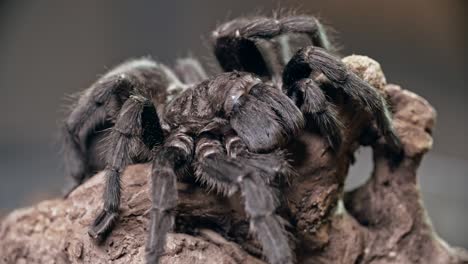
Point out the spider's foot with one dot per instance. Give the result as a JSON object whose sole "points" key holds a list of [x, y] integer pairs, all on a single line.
{"points": [[103, 225]]}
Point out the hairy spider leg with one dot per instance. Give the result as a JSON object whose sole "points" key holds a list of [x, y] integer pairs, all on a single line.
{"points": [[228, 175], [320, 114], [307, 25], [98, 107], [90, 112], [265, 118], [136, 131], [273, 165], [245, 44], [169, 160], [316, 63], [257, 32], [190, 71]]}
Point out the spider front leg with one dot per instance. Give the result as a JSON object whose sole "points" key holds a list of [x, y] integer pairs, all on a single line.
{"points": [[168, 161], [228, 175], [98, 107], [249, 44], [264, 118], [320, 114], [90, 112], [312, 63], [136, 131]]}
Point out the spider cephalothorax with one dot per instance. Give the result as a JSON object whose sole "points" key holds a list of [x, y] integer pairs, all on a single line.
{"points": [[228, 131]]}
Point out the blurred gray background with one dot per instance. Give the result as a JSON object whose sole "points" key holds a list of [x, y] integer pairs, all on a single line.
{"points": [[49, 49]]}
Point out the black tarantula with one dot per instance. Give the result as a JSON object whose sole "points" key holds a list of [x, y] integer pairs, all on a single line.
{"points": [[228, 131]]}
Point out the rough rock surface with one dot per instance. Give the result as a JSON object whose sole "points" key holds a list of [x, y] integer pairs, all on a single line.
{"points": [[382, 221]]}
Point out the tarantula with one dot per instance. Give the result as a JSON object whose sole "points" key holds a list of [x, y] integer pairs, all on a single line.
{"points": [[227, 131]]}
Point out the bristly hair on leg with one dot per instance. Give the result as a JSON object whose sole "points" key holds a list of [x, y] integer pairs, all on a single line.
{"points": [[265, 118], [313, 62], [260, 200], [173, 156], [264, 45], [319, 112], [123, 145]]}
